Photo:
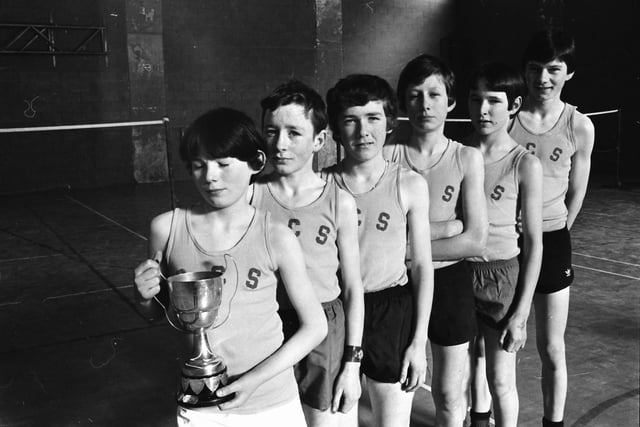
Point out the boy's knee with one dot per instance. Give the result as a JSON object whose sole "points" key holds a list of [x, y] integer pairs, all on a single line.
{"points": [[449, 399], [501, 385], [552, 352]]}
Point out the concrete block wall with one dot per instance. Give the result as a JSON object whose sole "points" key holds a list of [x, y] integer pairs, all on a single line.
{"points": [[213, 53], [78, 89]]}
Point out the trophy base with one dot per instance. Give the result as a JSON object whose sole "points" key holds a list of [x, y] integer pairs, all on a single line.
{"points": [[197, 392]]}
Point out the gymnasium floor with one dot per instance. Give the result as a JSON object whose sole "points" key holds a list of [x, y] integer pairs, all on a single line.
{"points": [[74, 351]]}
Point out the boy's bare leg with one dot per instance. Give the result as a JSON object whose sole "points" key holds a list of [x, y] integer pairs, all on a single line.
{"points": [[480, 394], [317, 418], [447, 384], [501, 375], [350, 419], [552, 311], [391, 406]]}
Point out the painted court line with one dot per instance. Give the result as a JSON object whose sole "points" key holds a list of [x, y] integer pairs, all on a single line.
{"points": [[107, 218], [607, 259], [85, 293], [28, 258], [607, 272], [10, 303]]}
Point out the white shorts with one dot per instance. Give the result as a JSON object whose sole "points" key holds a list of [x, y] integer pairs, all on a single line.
{"points": [[288, 415]]}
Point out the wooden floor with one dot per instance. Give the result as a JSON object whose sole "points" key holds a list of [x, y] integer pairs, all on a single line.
{"points": [[74, 352]]}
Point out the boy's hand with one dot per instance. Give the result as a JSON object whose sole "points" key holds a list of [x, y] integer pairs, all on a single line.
{"points": [[147, 277], [347, 389], [243, 387], [514, 335], [414, 367]]}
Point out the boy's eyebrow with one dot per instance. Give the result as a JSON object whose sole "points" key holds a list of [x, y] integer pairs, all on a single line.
{"points": [[370, 114], [271, 126]]}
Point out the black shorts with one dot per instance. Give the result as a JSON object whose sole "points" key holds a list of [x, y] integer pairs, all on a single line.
{"points": [[453, 313], [556, 272], [388, 328]]}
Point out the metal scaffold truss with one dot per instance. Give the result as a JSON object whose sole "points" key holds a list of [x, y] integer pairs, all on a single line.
{"points": [[52, 39]]}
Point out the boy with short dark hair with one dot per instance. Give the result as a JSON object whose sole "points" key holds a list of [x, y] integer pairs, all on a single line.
{"points": [[458, 219], [392, 202], [324, 219], [562, 138], [223, 151], [504, 276]]}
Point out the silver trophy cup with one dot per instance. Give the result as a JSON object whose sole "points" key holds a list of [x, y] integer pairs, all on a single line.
{"points": [[195, 299]]}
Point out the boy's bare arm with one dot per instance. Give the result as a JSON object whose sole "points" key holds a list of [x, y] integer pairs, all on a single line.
{"points": [[580, 167], [414, 193], [514, 335], [347, 389], [147, 274], [289, 260], [445, 229], [472, 240]]}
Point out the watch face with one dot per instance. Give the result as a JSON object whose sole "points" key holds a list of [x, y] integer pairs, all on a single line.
{"points": [[354, 354]]}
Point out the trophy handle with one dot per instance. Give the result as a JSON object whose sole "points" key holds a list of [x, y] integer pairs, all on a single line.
{"points": [[168, 314], [235, 289]]}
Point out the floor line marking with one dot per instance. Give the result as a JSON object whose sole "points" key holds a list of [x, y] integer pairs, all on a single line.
{"points": [[107, 218], [4, 304], [28, 258], [597, 410], [607, 259], [607, 272], [97, 291]]}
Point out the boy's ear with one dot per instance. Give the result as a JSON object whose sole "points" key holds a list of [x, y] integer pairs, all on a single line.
{"points": [[515, 106], [451, 106], [319, 139], [570, 75], [258, 163], [391, 124]]}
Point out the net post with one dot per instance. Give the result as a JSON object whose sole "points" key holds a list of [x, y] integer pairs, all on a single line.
{"points": [[619, 150], [165, 123]]}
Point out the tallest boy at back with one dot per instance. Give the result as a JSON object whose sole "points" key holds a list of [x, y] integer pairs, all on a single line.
{"points": [[562, 138]]}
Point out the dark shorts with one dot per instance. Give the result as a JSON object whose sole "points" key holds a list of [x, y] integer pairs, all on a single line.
{"points": [[453, 313], [388, 328], [494, 287], [556, 272], [317, 372]]}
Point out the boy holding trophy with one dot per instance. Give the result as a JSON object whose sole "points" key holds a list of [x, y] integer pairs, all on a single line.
{"points": [[224, 234]]}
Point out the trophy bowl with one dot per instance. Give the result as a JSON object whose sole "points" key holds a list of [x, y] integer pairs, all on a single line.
{"points": [[194, 302]]}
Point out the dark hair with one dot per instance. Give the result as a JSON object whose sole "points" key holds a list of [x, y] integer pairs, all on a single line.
{"points": [[499, 77], [296, 92], [223, 132], [418, 70], [548, 45], [358, 90]]}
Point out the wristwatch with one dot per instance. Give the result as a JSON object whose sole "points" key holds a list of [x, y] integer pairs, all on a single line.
{"points": [[353, 353]]}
